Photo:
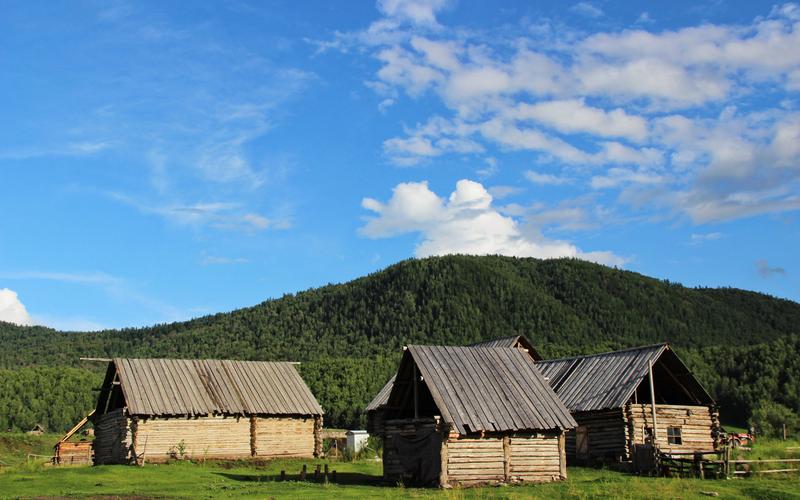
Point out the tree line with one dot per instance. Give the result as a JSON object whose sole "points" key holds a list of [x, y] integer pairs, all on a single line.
{"points": [[348, 337]]}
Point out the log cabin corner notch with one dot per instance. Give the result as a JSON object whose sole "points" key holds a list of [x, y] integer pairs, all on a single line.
{"points": [[472, 415], [155, 409], [609, 395]]}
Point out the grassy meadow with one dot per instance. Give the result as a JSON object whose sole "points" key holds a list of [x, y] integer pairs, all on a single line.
{"points": [[26, 478]]}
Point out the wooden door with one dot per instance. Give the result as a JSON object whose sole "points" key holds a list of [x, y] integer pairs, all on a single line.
{"points": [[582, 443]]}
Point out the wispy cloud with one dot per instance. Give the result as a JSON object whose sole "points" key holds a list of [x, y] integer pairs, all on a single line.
{"points": [[587, 9], [698, 238], [764, 269], [215, 260], [230, 216]]}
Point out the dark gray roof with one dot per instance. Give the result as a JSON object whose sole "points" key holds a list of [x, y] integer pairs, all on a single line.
{"points": [[488, 389], [382, 397], [608, 380], [207, 387], [513, 341]]}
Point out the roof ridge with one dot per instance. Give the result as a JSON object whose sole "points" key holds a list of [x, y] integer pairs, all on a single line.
{"points": [[584, 356]]}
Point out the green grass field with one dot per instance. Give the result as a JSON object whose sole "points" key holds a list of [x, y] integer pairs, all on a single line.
{"points": [[360, 479]]}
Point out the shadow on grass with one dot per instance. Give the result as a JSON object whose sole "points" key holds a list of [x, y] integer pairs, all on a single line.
{"points": [[342, 478]]}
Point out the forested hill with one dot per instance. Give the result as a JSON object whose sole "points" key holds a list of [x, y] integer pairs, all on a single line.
{"points": [[348, 336]]}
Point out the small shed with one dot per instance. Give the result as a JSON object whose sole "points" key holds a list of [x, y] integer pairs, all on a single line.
{"points": [[376, 408], [620, 399], [37, 430], [157, 409], [81, 452], [472, 415], [357, 440]]}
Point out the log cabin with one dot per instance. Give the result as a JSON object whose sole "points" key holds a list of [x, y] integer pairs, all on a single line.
{"points": [[376, 408], [157, 409], [644, 395], [472, 415]]}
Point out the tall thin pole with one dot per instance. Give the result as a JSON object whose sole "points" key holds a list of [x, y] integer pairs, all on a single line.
{"points": [[653, 401]]}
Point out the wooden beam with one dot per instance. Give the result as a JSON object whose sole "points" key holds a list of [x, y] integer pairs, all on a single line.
{"points": [[675, 379], [416, 393], [653, 401], [97, 360]]}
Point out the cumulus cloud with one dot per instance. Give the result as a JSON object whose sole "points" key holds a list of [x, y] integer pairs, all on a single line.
{"points": [[12, 310], [665, 118], [466, 222]]}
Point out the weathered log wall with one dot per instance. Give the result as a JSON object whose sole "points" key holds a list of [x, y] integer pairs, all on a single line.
{"points": [[537, 458], [606, 432], [698, 424], [529, 457], [121, 440], [113, 438], [160, 439], [475, 459], [284, 437]]}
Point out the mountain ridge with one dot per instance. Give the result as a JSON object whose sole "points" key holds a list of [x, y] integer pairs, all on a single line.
{"points": [[348, 335]]}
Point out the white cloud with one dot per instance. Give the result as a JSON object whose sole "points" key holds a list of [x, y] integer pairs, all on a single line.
{"points": [[698, 238], [574, 116], [12, 310], [671, 116], [421, 12], [587, 9], [220, 215], [466, 223], [546, 179]]}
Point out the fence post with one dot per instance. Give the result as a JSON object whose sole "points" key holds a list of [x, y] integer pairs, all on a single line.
{"points": [[698, 465]]}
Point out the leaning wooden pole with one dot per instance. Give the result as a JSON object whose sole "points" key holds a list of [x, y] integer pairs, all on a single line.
{"points": [[653, 401]]}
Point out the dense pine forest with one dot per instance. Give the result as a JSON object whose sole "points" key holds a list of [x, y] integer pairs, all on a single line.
{"points": [[744, 346]]}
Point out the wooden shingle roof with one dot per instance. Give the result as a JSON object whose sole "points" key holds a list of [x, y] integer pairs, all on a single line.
{"points": [[162, 387], [487, 389], [608, 380]]}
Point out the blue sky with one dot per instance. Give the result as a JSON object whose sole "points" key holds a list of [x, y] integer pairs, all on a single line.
{"points": [[165, 160]]}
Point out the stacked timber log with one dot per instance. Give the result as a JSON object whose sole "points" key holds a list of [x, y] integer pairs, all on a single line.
{"points": [[160, 439], [285, 437], [475, 460], [114, 440], [606, 431], [79, 453], [536, 458], [698, 426], [318, 435]]}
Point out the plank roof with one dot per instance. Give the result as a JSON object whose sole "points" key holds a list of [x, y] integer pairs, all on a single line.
{"points": [[172, 387], [519, 341], [608, 380], [487, 389], [382, 397]]}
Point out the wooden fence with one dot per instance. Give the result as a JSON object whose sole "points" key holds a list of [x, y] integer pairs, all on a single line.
{"points": [[722, 465]]}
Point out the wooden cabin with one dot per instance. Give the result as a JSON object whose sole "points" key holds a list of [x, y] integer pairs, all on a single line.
{"points": [[472, 415], [644, 395], [157, 409], [376, 408]]}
